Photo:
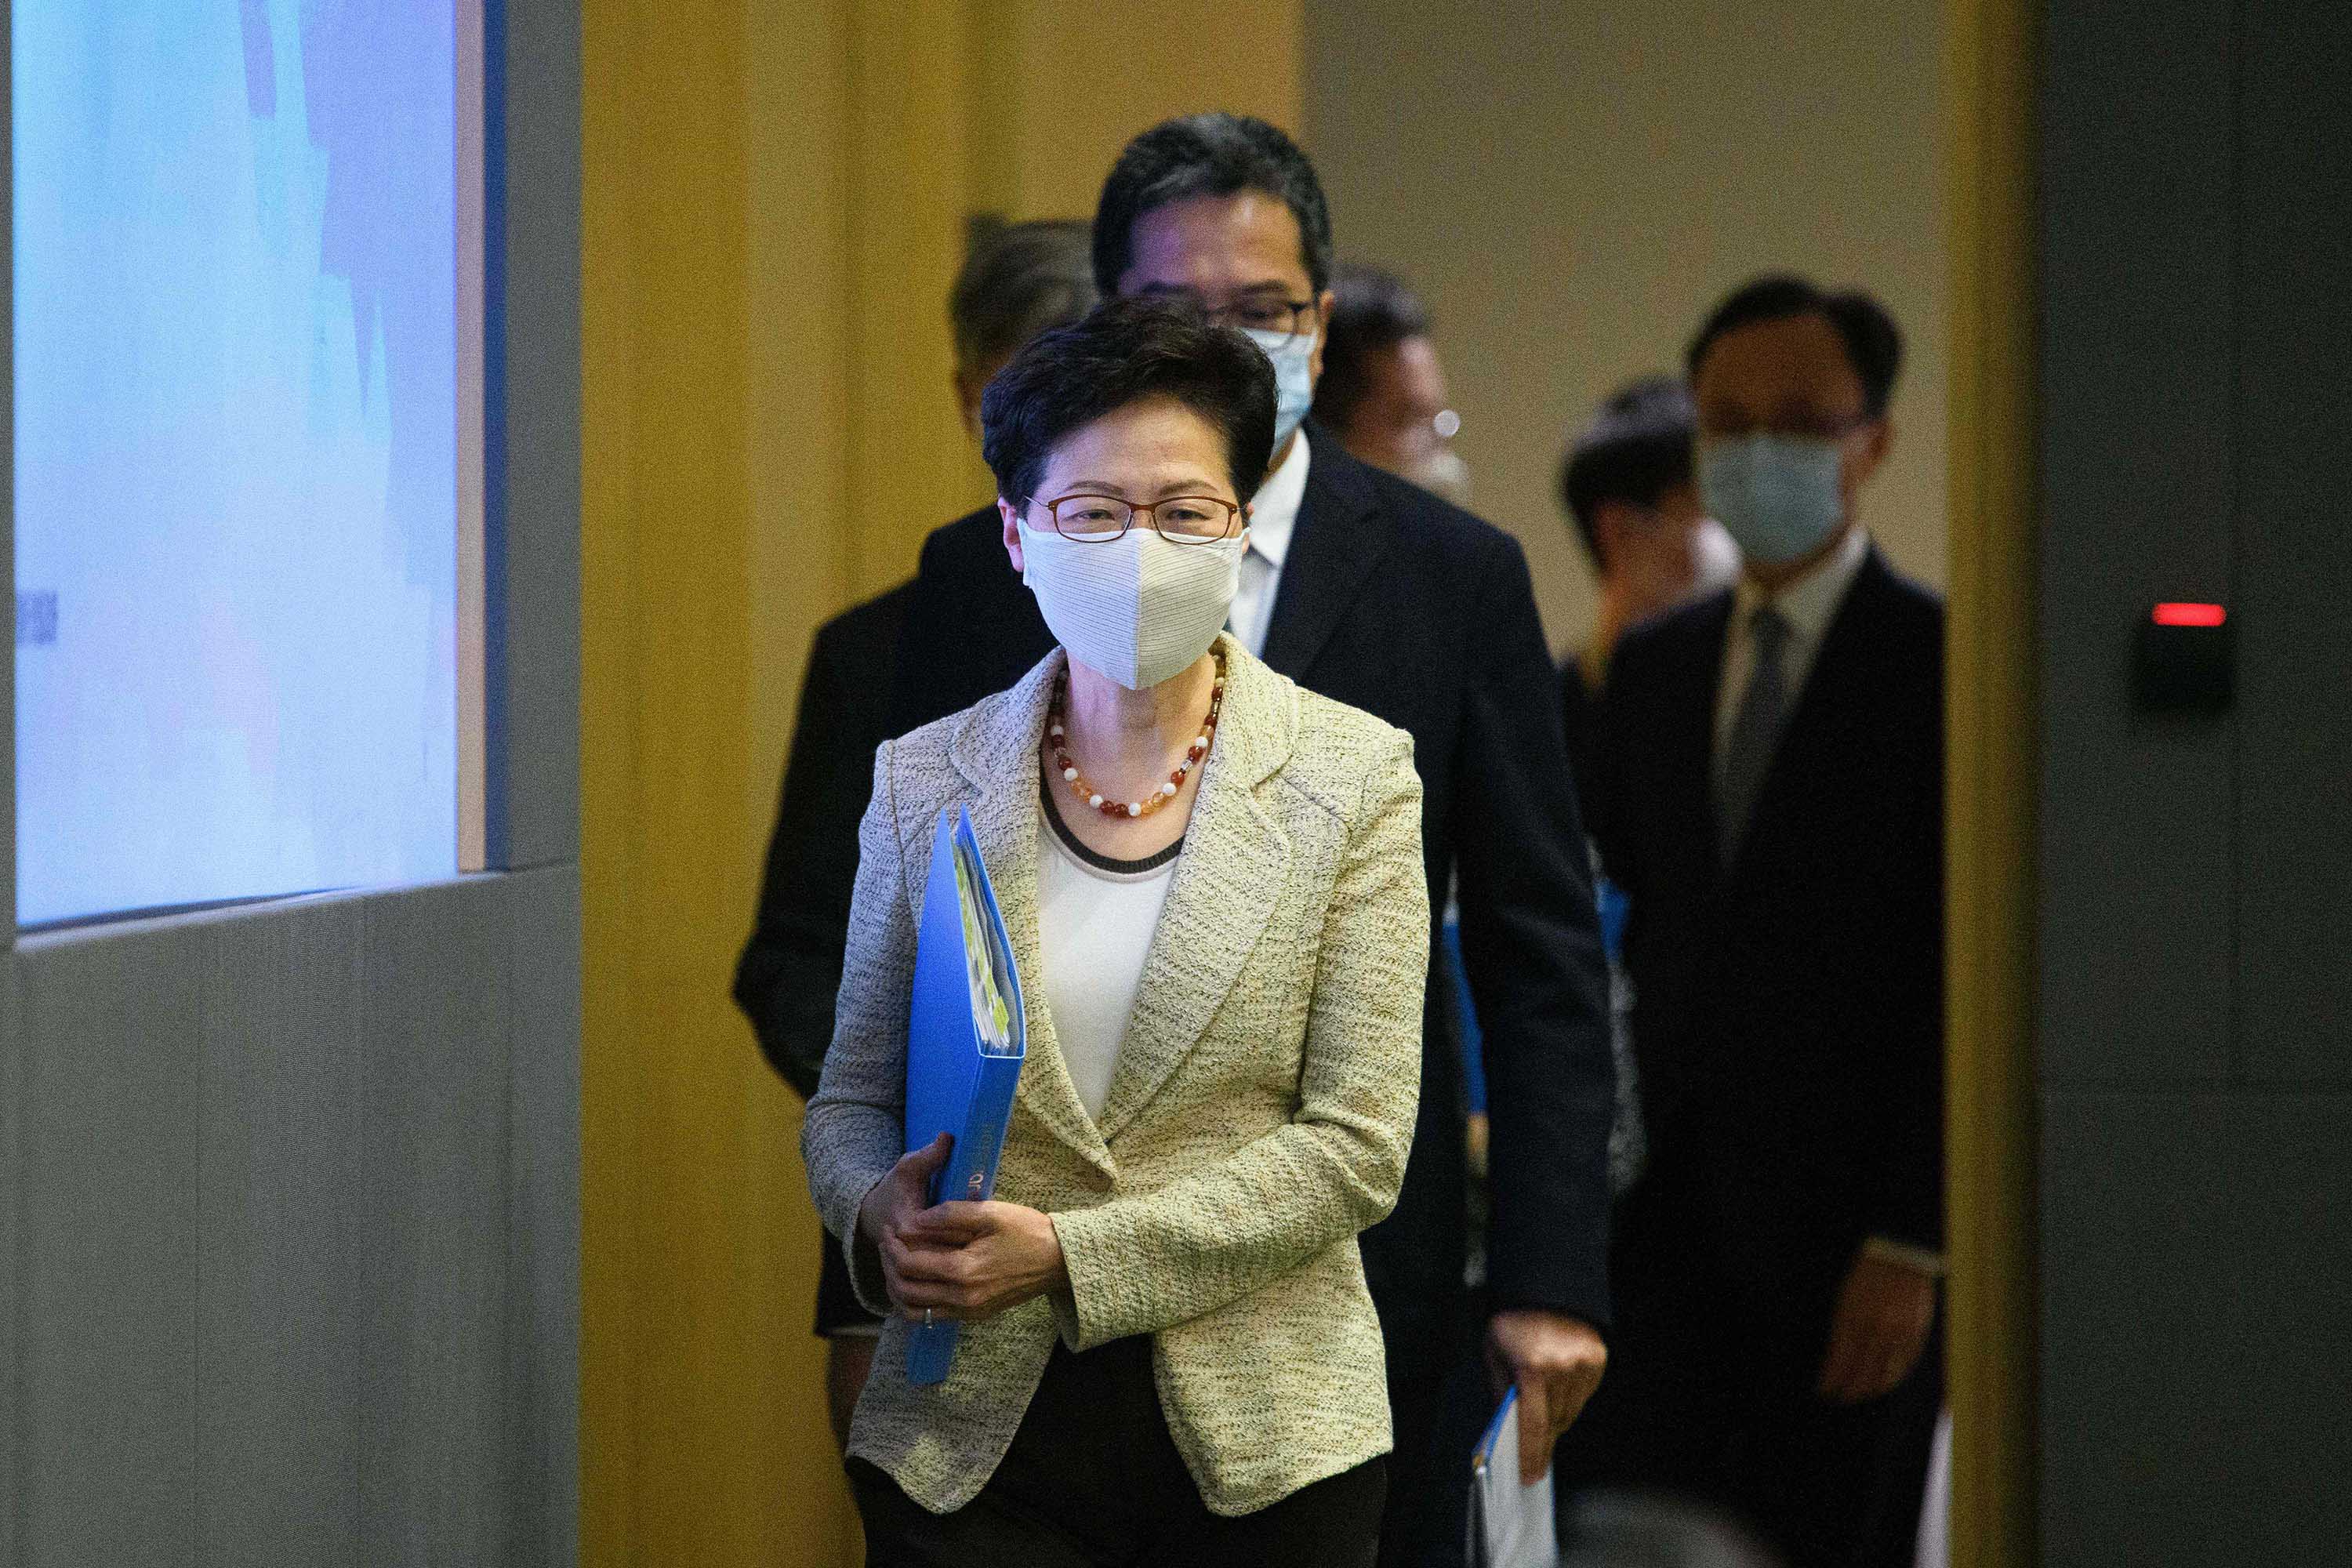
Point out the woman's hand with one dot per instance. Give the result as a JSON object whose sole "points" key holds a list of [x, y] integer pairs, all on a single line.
{"points": [[896, 1199], [969, 1261]]}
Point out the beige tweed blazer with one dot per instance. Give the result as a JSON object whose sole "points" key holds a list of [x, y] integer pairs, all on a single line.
{"points": [[1259, 1114]]}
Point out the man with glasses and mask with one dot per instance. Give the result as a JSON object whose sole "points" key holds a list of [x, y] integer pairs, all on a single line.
{"points": [[1367, 589], [1769, 792]]}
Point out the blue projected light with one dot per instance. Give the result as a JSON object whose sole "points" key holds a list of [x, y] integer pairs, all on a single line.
{"points": [[235, 449]]}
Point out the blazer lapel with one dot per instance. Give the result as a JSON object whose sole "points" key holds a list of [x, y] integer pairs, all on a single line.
{"points": [[1227, 880], [1341, 536], [996, 750]]}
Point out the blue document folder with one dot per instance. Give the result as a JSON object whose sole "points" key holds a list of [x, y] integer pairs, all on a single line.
{"points": [[965, 1042]]}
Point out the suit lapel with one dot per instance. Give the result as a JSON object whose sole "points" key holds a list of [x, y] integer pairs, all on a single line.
{"points": [[996, 750], [1690, 747], [1341, 536], [1227, 881]]}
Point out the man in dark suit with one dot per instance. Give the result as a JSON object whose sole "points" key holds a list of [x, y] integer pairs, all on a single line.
{"points": [[1769, 791], [1369, 590], [1017, 281]]}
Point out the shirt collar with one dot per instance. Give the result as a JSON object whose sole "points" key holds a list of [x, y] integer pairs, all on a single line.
{"points": [[1273, 510], [1808, 602]]}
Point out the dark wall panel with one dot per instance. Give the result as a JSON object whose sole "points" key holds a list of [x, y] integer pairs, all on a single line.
{"points": [[2197, 1007], [2294, 420], [286, 1229], [543, 1334], [111, 1180], [2196, 1384], [300, 1258], [534, 472], [2138, 215]]}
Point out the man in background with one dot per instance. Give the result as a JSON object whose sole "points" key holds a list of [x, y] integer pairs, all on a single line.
{"points": [[1769, 791], [1375, 592], [1626, 483], [1382, 392], [1017, 281]]}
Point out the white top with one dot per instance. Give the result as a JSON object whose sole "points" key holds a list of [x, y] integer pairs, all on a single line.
{"points": [[1273, 513], [1096, 917], [1807, 605]]}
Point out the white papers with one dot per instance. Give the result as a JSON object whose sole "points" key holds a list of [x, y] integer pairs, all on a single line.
{"points": [[992, 1019], [1511, 1526]]}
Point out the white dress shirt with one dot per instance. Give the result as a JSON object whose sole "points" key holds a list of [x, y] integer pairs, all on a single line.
{"points": [[1273, 513]]}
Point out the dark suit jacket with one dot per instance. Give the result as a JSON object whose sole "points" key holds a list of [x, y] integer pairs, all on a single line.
{"points": [[1788, 1017], [1580, 721], [1401, 605], [790, 968]]}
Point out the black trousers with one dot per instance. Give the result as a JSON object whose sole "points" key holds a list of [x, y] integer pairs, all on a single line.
{"points": [[1094, 1479], [1709, 1396]]}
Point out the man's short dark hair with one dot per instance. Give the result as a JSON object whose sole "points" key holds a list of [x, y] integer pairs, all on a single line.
{"points": [[1120, 352], [1208, 156], [1375, 312], [1874, 343], [1636, 449], [1017, 280]]}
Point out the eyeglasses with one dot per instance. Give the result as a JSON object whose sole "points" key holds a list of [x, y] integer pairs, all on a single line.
{"points": [[1804, 426], [1260, 314], [1179, 520]]}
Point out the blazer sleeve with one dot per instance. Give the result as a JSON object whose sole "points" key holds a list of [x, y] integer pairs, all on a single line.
{"points": [[1904, 1144], [1141, 1264], [791, 967], [855, 1127], [1531, 951]]}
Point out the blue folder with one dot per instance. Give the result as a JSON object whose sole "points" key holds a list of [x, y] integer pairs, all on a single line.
{"points": [[960, 1072]]}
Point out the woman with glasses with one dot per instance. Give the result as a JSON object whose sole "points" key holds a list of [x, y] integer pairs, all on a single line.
{"points": [[1212, 882]]}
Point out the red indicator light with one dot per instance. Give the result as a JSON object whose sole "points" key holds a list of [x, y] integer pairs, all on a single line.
{"points": [[2189, 615]]}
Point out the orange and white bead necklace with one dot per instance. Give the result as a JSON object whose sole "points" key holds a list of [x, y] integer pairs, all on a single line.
{"points": [[1056, 738]]}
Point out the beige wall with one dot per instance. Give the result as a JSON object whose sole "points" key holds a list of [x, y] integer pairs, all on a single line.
{"points": [[1571, 186], [775, 201]]}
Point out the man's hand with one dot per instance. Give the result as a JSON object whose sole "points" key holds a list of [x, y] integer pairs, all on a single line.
{"points": [[969, 1261], [1555, 1362], [1883, 1312]]}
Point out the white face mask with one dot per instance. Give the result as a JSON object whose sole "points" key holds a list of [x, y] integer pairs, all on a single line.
{"points": [[1137, 609], [1294, 377]]}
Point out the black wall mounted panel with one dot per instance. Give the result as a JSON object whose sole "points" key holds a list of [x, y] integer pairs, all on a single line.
{"points": [[2138, 215]]}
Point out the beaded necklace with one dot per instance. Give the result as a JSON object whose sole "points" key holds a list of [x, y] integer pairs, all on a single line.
{"points": [[1158, 797]]}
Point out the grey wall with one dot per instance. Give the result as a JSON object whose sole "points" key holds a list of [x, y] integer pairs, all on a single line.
{"points": [[2197, 873], [289, 1193]]}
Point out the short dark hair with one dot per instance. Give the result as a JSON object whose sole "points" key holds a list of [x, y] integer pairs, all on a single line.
{"points": [[1017, 280], [1636, 449], [1375, 312], [1120, 352], [1874, 343], [1208, 156]]}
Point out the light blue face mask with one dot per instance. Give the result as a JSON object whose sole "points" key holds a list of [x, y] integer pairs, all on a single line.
{"points": [[1777, 495], [1294, 377]]}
